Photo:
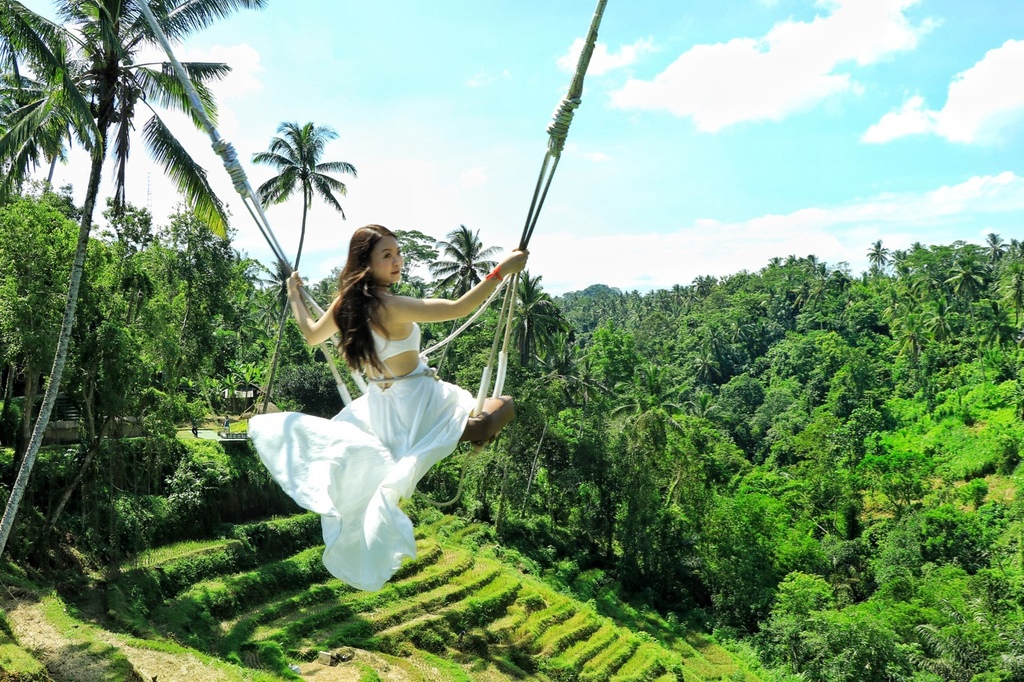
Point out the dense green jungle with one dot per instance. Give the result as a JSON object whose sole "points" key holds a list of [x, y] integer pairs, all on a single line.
{"points": [[799, 473]]}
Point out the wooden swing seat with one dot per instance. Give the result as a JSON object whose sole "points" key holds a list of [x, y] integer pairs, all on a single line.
{"points": [[497, 413]]}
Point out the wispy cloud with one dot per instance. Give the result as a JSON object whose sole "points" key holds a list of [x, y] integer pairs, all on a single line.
{"points": [[482, 78], [792, 68], [835, 234], [246, 69], [981, 103], [474, 177], [602, 60]]}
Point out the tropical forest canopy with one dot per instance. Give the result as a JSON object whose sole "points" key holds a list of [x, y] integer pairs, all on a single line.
{"points": [[819, 465]]}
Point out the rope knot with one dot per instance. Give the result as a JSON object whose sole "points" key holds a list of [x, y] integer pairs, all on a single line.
{"points": [[559, 126], [226, 152]]}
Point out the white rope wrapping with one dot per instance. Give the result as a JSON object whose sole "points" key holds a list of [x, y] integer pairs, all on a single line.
{"points": [[499, 381], [481, 395]]}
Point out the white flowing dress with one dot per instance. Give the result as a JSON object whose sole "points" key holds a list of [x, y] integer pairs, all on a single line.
{"points": [[353, 469]]}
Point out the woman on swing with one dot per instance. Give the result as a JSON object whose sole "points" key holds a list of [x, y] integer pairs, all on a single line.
{"points": [[354, 469]]}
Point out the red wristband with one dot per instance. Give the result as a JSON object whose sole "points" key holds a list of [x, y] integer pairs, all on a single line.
{"points": [[495, 274]]}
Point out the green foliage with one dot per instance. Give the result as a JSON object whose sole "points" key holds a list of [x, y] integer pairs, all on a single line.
{"points": [[311, 387], [824, 460]]}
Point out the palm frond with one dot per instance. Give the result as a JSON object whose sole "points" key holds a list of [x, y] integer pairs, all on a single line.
{"points": [[185, 17], [271, 159], [336, 167], [23, 32], [20, 143], [189, 176], [163, 88], [325, 187], [277, 189]]}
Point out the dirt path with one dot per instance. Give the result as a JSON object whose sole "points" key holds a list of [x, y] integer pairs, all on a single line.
{"points": [[65, 659], [70, 660], [167, 667]]}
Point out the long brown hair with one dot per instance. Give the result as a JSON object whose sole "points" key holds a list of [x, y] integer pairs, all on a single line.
{"points": [[360, 300]]}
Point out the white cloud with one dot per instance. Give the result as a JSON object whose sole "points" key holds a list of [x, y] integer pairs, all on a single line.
{"points": [[595, 157], [602, 61], [910, 119], [795, 66], [474, 177], [835, 234], [246, 69], [482, 78], [981, 103]]}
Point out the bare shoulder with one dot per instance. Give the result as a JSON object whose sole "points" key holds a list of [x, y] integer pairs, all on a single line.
{"points": [[398, 308]]}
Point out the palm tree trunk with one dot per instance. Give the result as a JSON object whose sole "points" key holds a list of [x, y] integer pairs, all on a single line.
{"points": [[31, 388], [94, 447], [273, 360], [302, 232], [63, 341], [500, 521], [8, 395], [533, 469], [444, 352], [284, 313]]}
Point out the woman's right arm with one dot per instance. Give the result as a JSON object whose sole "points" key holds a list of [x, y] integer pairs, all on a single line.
{"points": [[315, 331]]}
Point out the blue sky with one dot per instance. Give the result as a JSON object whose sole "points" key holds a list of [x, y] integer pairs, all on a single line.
{"points": [[712, 136]]}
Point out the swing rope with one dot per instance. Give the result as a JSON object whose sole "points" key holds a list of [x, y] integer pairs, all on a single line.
{"points": [[226, 152], [557, 131]]}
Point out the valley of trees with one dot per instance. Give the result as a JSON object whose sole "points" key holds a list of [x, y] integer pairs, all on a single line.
{"points": [[819, 467]]}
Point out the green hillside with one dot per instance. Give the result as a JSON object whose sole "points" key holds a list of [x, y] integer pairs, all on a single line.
{"points": [[462, 610]]}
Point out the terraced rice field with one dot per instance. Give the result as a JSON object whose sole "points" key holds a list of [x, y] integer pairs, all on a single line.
{"points": [[261, 604]]}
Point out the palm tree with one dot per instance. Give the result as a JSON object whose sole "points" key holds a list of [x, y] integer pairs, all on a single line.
{"points": [[968, 278], [995, 328], [1013, 288], [910, 329], [996, 247], [706, 365], [569, 363], [464, 261], [937, 321], [704, 285], [702, 404], [296, 154], [878, 256], [538, 321], [650, 389], [95, 80], [19, 96]]}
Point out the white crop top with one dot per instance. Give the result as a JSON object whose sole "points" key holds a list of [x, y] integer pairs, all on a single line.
{"points": [[389, 348]]}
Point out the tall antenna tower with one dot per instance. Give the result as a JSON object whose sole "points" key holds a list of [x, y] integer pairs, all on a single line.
{"points": [[149, 193]]}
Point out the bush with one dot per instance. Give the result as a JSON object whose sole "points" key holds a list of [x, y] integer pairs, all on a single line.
{"points": [[10, 423], [311, 387]]}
